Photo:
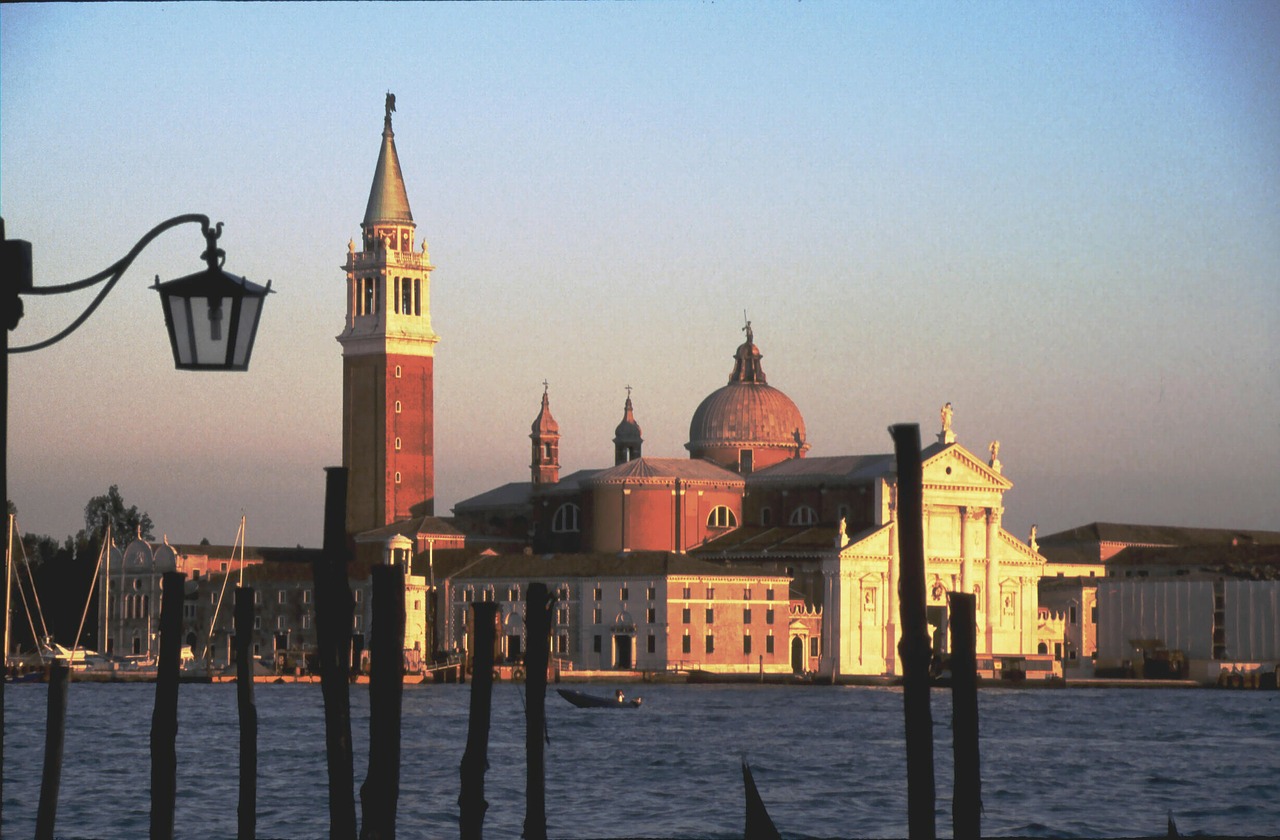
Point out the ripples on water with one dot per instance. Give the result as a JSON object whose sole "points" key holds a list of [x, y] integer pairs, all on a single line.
{"points": [[829, 762]]}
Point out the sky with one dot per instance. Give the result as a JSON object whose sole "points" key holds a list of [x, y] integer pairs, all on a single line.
{"points": [[1064, 219]]}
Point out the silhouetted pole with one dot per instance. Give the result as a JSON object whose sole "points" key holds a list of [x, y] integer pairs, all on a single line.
{"points": [[247, 813], [334, 608], [475, 760], [759, 825], [54, 737], [164, 721], [537, 622], [381, 788], [914, 648], [966, 796]]}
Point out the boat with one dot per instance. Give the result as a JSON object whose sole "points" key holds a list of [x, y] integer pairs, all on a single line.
{"points": [[591, 701]]}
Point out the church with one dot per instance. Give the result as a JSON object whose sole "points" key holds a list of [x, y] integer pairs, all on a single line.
{"points": [[744, 497]]}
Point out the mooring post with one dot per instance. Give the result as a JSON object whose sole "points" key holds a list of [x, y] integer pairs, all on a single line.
{"points": [[914, 647], [164, 720], [334, 608], [247, 810], [54, 738], [537, 624], [966, 796], [381, 789], [475, 760]]}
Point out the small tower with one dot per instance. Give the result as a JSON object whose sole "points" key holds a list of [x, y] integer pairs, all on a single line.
{"points": [[545, 464], [388, 357], [626, 438]]}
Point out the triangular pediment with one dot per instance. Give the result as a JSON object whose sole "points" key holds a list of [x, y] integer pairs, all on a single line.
{"points": [[869, 543], [957, 467]]}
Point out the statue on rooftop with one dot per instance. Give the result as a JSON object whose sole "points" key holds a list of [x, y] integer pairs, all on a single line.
{"points": [[946, 417]]}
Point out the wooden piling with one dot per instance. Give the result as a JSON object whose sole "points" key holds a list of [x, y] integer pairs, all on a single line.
{"points": [[54, 738], [966, 796], [537, 622], [164, 720], [247, 813], [475, 760], [334, 608], [914, 648], [381, 789]]}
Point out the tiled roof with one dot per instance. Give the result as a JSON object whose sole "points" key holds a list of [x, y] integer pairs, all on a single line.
{"points": [[688, 469], [1159, 535], [1255, 561], [514, 494], [854, 469], [775, 541], [429, 526]]}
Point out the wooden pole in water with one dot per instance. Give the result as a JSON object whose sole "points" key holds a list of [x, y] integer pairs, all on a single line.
{"points": [[966, 797], [164, 720], [334, 608], [381, 788], [247, 811], [54, 737], [538, 632], [914, 648], [475, 760]]}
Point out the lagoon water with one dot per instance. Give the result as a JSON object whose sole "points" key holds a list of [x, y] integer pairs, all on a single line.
{"points": [[829, 761]]}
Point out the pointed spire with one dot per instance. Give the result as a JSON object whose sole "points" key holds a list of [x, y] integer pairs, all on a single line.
{"points": [[627, 438], [545, 435], [388, 200]]}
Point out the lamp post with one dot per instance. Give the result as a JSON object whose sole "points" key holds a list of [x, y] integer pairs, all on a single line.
{"points": [[212, 318]]}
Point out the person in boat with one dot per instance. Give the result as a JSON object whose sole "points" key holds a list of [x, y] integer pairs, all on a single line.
{"points": [[622, 698]]}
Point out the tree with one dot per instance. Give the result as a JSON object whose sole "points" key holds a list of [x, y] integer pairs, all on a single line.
{"points": [[126, 523]]}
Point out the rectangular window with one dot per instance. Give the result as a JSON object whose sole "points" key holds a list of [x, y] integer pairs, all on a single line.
{"points": [[1073, 614], [653, 643], [306, 621], [813, 646], [711, 643], [213, 597], [768, 594], [686, 593], [711, 616], [624, 594], [257, 596], [768, 616], [651, 615], [306, 596], [746, 616], [1093, 614], [685, 617], [562, 616], [746, 594], [279, 622], [597, 593], [596, 614], [562, 644], [595, 643], [746, 644], [651, 593], [711, 593], [768, 644], [357, 595], [686, 644], [280, 597], [257, 622]]}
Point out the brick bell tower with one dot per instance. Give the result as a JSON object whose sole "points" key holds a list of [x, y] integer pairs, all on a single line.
{"points": [[388, 355]]}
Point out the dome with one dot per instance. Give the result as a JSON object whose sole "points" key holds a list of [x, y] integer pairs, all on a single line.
{"points": [[744, 414], [628, 431], [747, 414]]}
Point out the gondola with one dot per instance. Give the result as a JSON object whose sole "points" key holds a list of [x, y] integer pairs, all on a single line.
{"points": [[590, 701]]}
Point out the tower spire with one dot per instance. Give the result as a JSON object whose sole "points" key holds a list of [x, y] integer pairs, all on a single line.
{"points": [[388, 200], [545, 434], [627, 439]]}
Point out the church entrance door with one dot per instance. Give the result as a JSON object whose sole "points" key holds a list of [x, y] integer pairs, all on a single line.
{"points": [[622, 652], [797, 655]]}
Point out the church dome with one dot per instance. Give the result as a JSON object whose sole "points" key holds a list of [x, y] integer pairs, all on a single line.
{"points": [[747, 415]]}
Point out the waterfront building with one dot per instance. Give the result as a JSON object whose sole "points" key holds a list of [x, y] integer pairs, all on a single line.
{"points": [[648, 611]]}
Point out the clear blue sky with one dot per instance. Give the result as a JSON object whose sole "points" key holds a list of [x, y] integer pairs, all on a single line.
{"points": [[1062, 218]]}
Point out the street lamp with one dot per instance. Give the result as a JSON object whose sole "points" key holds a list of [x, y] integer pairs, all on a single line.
{"points": [[212, 318]]}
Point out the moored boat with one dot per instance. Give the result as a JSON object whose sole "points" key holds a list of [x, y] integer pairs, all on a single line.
{"points": [[591, 701]]}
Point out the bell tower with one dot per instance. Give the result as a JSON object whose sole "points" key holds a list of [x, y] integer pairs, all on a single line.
{"points": [[388, 355]]}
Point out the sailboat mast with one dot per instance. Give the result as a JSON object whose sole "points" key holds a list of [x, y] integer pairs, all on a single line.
{"points": [[106, 593], [8, 587]]}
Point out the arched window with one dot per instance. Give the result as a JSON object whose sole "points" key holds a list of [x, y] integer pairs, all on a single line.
{"points": [[722, 517], [804, 515], [397, 444], [565, 520]]}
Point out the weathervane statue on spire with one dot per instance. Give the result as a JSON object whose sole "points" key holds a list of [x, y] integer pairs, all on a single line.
{"points": [[391, 104]]}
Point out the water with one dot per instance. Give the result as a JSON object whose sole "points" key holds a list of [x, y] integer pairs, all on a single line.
{"points": [[829, 762]]}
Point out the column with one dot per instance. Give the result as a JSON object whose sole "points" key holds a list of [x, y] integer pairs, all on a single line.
{"points": [[966, 561], [994, 619]]}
